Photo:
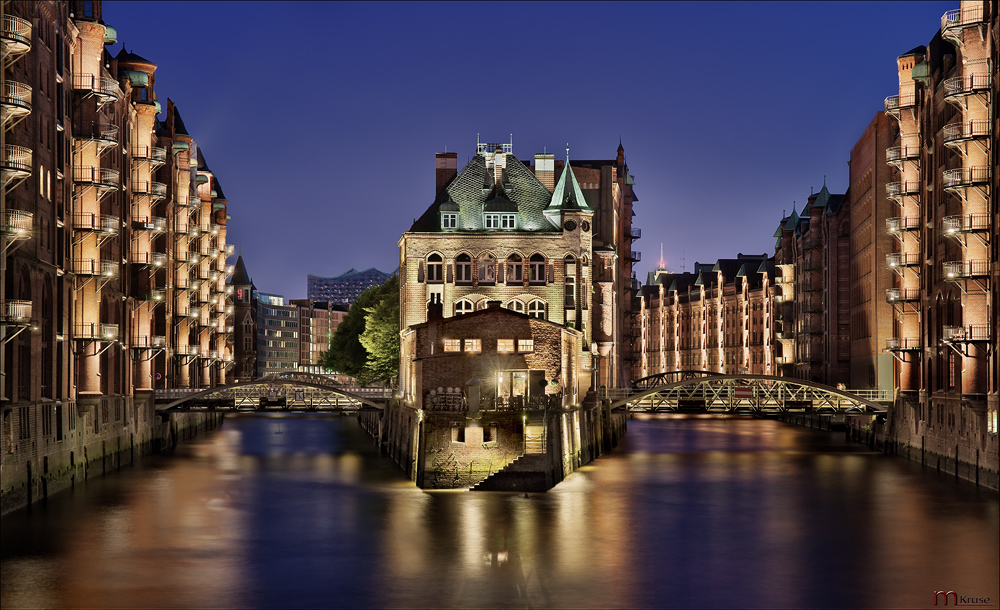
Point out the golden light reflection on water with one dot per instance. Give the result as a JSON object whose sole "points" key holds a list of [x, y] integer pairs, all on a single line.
{"points": [[701, 512]]}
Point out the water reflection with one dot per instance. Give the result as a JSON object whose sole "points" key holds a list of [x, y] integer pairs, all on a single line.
{"points": [[300, 511]]}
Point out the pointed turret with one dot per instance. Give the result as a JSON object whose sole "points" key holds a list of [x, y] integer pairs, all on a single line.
{"points": [[567, 196]]}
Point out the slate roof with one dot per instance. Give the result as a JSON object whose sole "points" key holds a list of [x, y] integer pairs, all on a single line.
{"points": [[179, 127], [129, 57], [518, 185], [240, 276]]}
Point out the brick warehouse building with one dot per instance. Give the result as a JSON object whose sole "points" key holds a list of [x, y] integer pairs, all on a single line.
{"points": [[114, 258], [552, 241], [945, 333]]}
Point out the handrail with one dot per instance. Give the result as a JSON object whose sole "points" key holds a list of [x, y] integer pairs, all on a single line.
{"points": [[17, 94], [17, 158], [17, 30], [967, 83], [17, 221], [16, 310], [968, 268], [965, 176], [965, 223], [976, 128]]}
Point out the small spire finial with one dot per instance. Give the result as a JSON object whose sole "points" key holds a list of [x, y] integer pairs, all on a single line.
{"points": [[567, 153]]}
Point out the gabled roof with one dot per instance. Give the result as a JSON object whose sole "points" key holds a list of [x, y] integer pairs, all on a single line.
{"points": [[179, 127], [476, 184]]}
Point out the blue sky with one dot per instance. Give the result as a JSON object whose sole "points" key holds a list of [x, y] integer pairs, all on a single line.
{"points": [[322, 119]]}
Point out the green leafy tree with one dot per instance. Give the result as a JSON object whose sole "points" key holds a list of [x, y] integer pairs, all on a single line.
{"points": [[381, 339], [347, 355]]}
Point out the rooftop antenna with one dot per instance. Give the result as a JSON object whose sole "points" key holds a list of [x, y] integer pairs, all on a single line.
{"points": [[663, 265], [567, 153], [683, 261]]}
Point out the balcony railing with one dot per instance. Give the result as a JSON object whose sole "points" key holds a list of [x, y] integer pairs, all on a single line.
{"points": [[899, 259], [188, 350], [900, 344], [17, 223], [956, 270], [634, 256], [105, 134], [155, 295], [94, 331], [156, 224], [16, 35], [894, 190], [101, 223], [964, 85], [16, 311], [100, 176], [965, 176], [16, 162], [16, 101], [149, 341], [959, 18], [230, 248], [966, 223], [154, 154], [902, 295], [974, 129], [156, 259], [894, 103], [962, 334], [635, 233], [102, 86], [904, 223], [895, 154]]}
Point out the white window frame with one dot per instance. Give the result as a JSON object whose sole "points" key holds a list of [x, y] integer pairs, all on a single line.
{"points": [[491, 221], [508, 221], [449, 220], [468, 307]]}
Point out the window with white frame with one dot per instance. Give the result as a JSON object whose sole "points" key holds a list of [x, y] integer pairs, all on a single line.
{"points": [[491, 221], [487, 269], [536, 309], [508, 221], [463, 269], [449, 220], [434, 268], [570, 292], [515, 305], [463, 306], [536, 267], [515, 268], [525, 345]]}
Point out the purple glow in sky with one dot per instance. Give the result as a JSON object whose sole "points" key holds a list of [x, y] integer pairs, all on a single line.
{"points": [[321, 120]]}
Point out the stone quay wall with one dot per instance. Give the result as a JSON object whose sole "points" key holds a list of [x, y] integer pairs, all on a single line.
{"points": [[48, 447]]}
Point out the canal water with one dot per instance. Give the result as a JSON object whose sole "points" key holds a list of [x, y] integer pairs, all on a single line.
{"points": [[300, 511]]}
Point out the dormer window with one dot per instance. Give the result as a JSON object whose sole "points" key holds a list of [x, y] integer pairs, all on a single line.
{"points": [[500, 221], [449, 220]]}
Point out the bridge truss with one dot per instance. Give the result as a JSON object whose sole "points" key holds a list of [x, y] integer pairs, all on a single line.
{"points": [[282, 392], [745, 393]]}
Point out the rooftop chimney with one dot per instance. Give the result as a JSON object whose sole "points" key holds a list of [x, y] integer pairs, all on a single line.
{"points": [[545, 166], [446, 167]]}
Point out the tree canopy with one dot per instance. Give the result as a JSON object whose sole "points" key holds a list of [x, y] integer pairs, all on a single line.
{"points": [[366, 343]]}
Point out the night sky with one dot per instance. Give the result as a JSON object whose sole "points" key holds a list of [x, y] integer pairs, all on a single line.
{"points": [[321, 120]]}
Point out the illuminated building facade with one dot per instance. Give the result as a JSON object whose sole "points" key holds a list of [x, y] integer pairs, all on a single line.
{"points": [[541, 240], [945, 333], [317, 323], [715, 318], [103, 209]]}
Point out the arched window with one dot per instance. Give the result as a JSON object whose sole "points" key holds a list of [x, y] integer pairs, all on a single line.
{"points": [[463, 306], [515, 305], [434, 267], [482, 304], [515, 268], [536, 309], [537, 269], [463, 269], [487, 269]]}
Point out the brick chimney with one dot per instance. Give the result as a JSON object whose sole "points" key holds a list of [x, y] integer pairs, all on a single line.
{"points": [[545, 170], [446, 168]]}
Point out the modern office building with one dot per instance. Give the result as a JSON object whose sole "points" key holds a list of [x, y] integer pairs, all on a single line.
{"points": [[317, 323], [345, 288]]}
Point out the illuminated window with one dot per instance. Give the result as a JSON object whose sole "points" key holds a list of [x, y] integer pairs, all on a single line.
{"points": [[449, 221], [474, 345], [463, 269], [505, 345], [463, 306], [452, 345], [525, 345], [536, 309], [487, 270]]}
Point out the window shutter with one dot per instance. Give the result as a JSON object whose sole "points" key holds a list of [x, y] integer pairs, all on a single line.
{"points": [[420, 272]]}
